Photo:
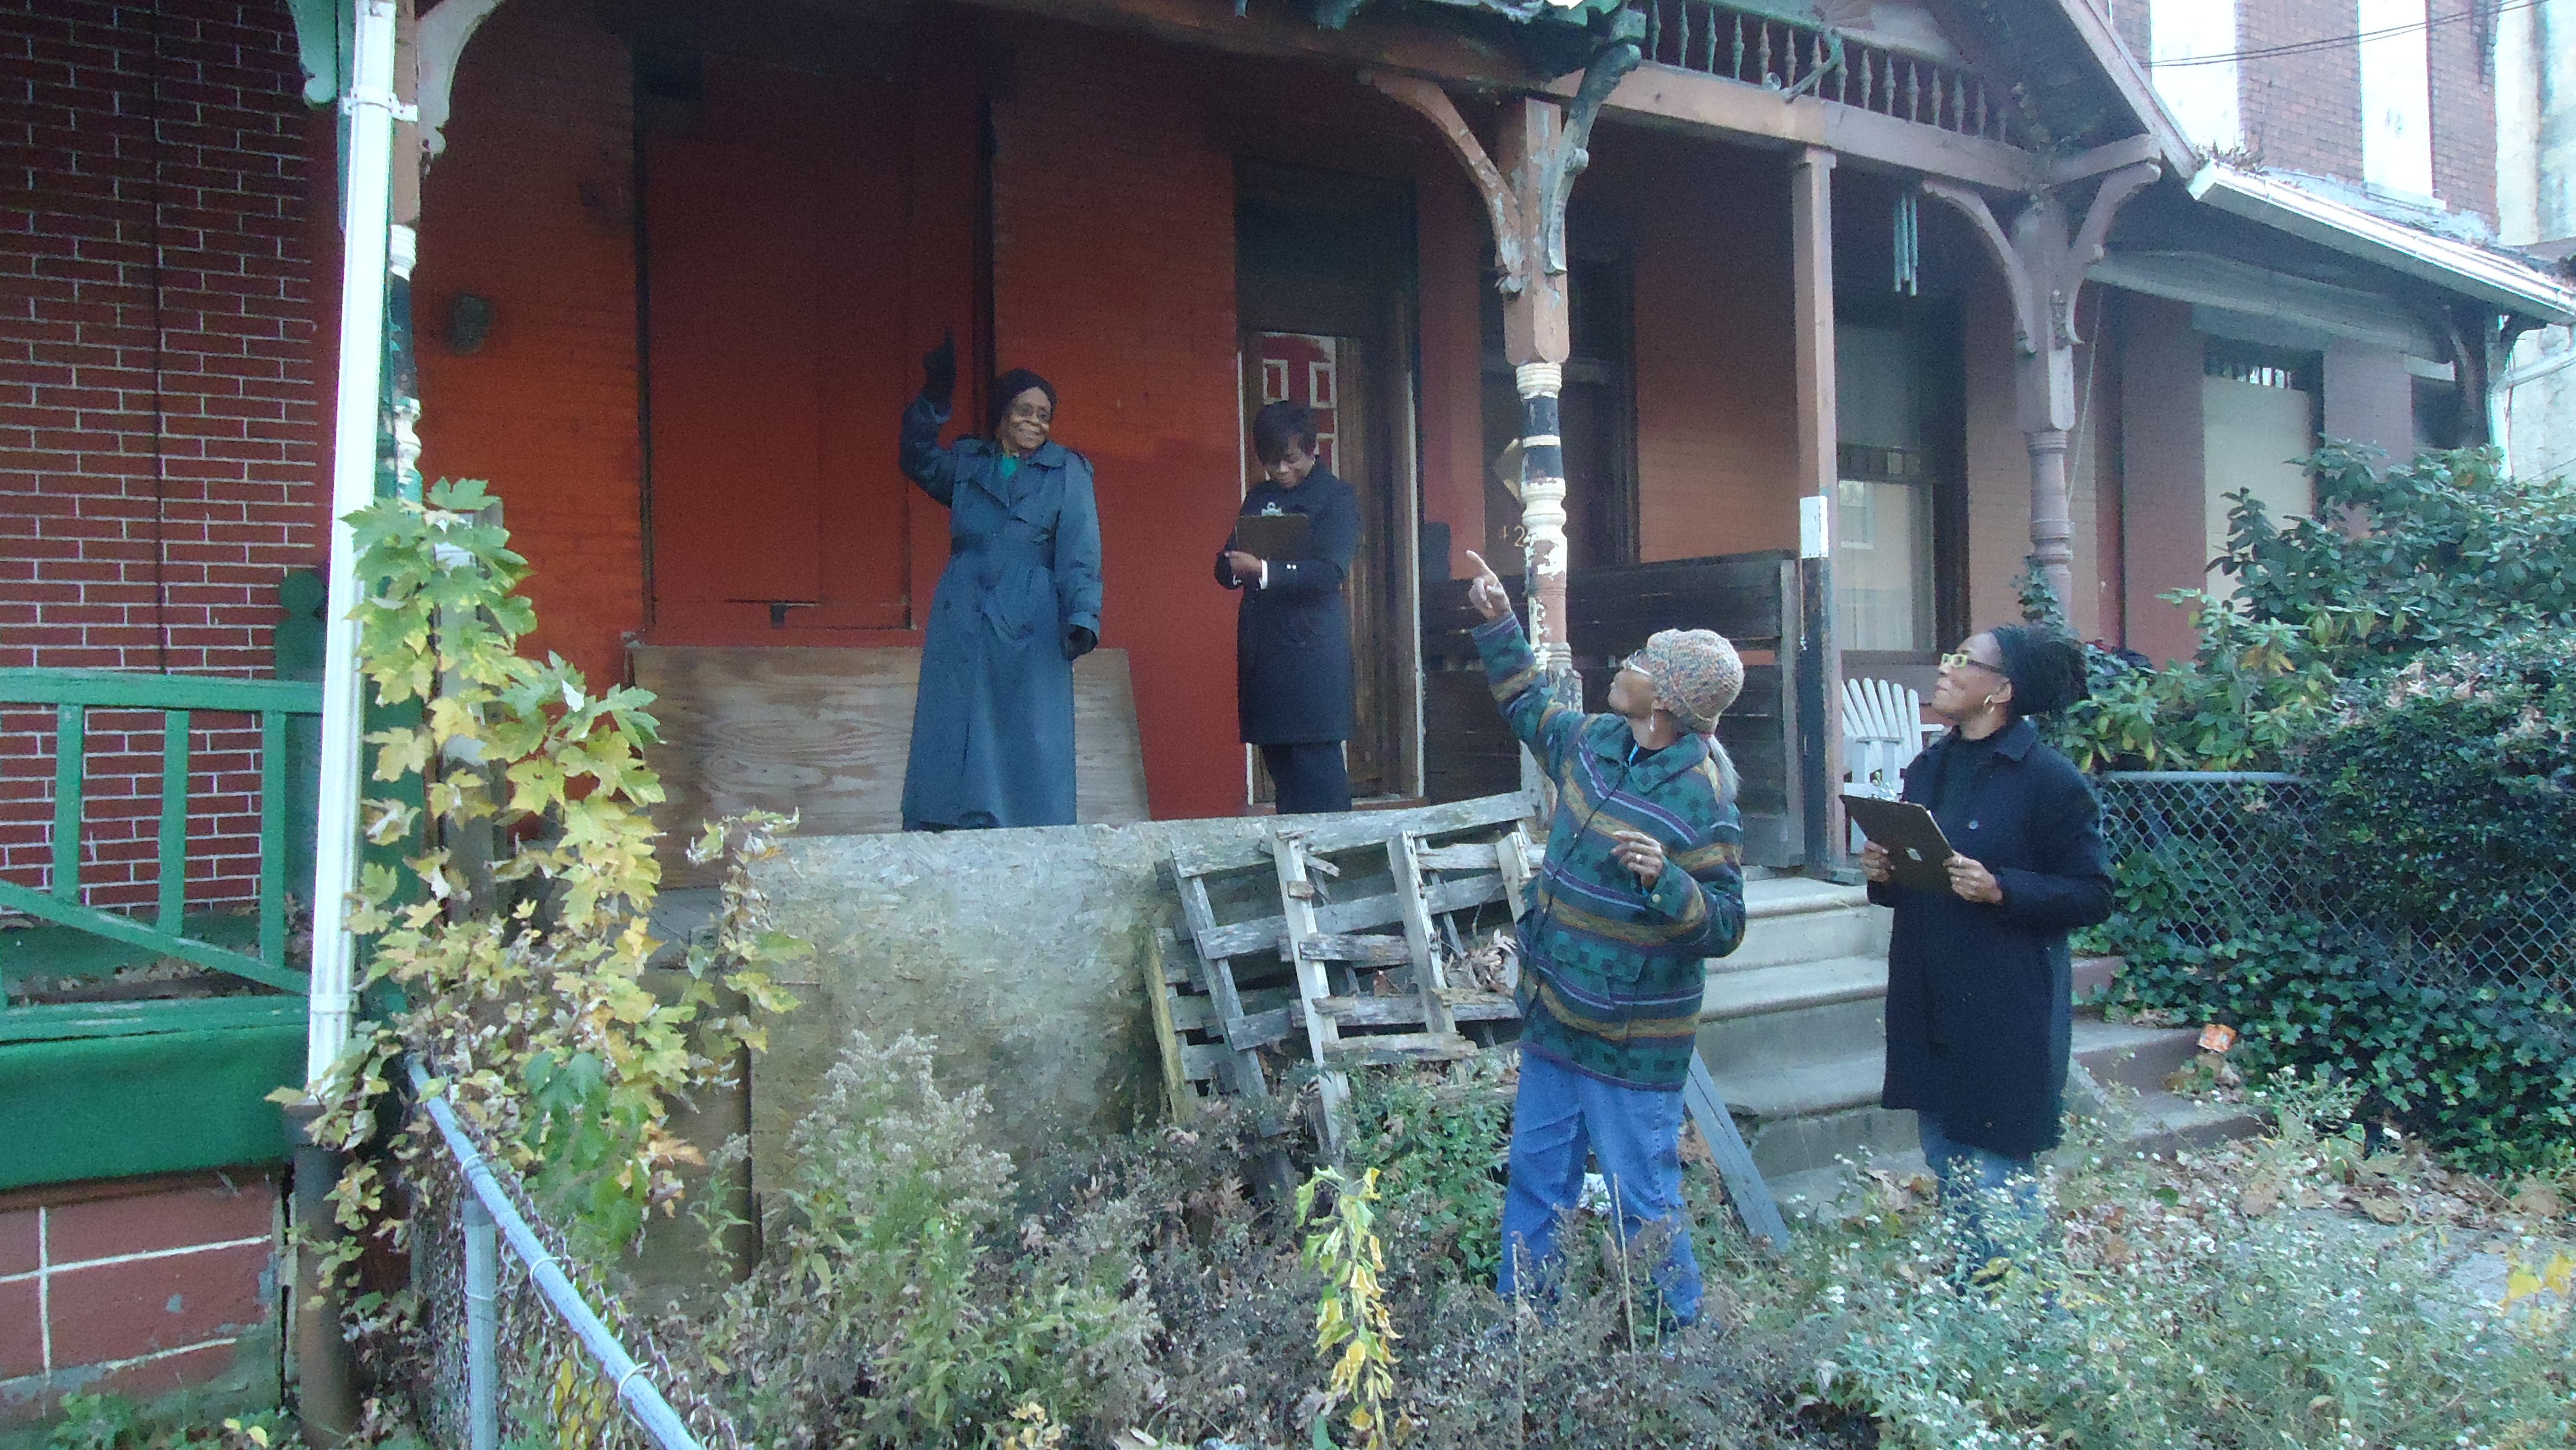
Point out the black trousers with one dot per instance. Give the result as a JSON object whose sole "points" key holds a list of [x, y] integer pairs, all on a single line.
{"points": [[1311, 777]]}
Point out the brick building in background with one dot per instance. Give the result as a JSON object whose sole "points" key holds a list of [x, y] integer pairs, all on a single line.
{"points": [[676, 263]]}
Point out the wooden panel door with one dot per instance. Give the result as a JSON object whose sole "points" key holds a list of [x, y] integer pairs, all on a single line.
{"points": [[777, 254]]}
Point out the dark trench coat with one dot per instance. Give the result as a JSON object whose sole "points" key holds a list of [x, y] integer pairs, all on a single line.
{"points": [[1979, 1010], [992, 726], [1292, 641]]}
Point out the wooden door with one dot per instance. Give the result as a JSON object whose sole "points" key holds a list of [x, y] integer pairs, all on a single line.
{"points": [[1331, 374], [1324, 293], [795, 254]]}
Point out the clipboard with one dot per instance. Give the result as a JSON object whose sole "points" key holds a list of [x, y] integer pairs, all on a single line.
{"points": [[1916, 849], [1275, 536]]}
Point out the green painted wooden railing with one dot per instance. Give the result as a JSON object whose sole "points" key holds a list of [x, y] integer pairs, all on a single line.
{"points": [[73, 694]]}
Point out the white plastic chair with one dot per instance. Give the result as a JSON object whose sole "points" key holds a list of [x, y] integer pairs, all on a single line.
{"points": [[1883, 731]]}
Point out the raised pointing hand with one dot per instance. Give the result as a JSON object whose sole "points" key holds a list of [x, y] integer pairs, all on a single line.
{"points": [[1485, 592]]}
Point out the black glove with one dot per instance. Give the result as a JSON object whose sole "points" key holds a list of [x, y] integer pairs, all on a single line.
{"points": [[939, 372], [1079, 641]]}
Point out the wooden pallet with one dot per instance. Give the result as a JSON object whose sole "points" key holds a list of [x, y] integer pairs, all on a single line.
{"points": [[1224, 994], [1357, 979]]}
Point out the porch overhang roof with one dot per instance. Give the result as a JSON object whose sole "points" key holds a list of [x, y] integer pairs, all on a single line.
{"points": [[2455, 266]]}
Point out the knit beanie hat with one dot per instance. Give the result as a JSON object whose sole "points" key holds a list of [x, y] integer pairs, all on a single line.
{"points": [[1696, 674]]}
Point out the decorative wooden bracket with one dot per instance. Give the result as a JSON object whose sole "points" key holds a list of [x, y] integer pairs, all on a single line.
{"points": [[1502, 208], [2044, 271], [444, 29], [1571, 155]]}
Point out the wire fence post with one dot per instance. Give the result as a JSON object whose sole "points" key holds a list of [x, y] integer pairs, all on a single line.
{"points": [[482, 1273]]}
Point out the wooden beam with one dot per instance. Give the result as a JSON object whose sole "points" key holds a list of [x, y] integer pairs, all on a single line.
{"points": [[1371, 42], [1662, 95], [2109, 157], [1652, 94]]}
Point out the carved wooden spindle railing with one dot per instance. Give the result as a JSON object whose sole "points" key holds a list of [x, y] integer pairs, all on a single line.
{"points": [[1720, 40]]}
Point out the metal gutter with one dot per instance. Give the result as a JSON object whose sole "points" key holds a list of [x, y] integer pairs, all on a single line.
{"points": [[2457, 266], [368, 248]]}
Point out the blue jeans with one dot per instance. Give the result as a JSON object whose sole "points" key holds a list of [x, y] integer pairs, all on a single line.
{"points": [[1635, 1132], [1976, 1180]]}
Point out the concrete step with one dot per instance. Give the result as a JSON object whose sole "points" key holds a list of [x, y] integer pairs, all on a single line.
{"points": [[1772, 1018], [1808, 921], [1825, 1142], [1820, 1085], [2131, 1055]]}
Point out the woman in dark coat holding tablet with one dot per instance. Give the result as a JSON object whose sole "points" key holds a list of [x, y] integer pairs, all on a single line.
{"points": [[1979, 1010], [1292, 640]]}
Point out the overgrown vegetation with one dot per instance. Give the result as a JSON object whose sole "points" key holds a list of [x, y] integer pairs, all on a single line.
{"points": [[2204, 1309], [509, 951], [113, 1422], [2408, 652], [2444, 553], [2219, 1303]]}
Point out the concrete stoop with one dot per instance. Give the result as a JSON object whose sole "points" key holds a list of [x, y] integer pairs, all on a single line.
{"points": [[1794, 1032]]}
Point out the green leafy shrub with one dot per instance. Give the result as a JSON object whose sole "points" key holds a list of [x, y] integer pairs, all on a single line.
{"points": [[2452, 781], [1439, 1146], [2443, 552], [2437, 554], [2486, 1073]]}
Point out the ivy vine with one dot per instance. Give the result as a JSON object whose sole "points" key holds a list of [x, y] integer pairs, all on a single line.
{"points": [[508, 950]]}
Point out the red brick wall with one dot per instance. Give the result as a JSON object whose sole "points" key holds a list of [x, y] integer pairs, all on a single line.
{"points": [[2464, 114], [2302, 111], [161, 409], [137, 1288], [530, 207], [1113, 263]]}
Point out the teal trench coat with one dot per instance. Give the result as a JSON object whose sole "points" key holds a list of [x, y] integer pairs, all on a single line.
{"points": [[992, 726]]}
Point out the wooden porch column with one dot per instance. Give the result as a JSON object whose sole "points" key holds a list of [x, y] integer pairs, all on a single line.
{"points": [[1540, 153], [1536, 339], [2045, 272], [1816, 672]]}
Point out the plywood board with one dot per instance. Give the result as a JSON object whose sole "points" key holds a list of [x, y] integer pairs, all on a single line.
{"points": [[824, 732]]}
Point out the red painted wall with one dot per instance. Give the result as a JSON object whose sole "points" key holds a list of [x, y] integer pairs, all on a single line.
{"points": [[1114, 277], [161, 400], [1717, 448], [531, 206]]}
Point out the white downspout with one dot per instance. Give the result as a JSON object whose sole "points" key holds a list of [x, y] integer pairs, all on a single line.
{"points": [[371, 105]]}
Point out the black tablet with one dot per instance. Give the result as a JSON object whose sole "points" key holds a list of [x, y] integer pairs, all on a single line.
{"points": [[1283, 537], [1915, 846]]}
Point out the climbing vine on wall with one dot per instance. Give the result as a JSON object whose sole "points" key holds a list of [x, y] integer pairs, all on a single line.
{"points": [[508, 949]]}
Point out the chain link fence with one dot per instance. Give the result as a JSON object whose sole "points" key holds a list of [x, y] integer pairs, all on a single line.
{"points": [[508, 1352], [2210, 851]]}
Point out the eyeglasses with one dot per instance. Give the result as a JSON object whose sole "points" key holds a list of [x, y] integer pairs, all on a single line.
{"points": [[1959, 659]]}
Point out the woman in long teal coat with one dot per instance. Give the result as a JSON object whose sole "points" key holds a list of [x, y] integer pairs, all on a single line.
{"points": [[992, 725]]}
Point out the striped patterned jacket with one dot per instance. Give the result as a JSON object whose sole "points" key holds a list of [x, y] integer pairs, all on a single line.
{"points": [[1611, 972]]}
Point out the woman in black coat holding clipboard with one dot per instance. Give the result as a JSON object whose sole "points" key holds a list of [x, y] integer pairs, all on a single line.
{"points": [[1292, 639], [1979, 1009]]}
